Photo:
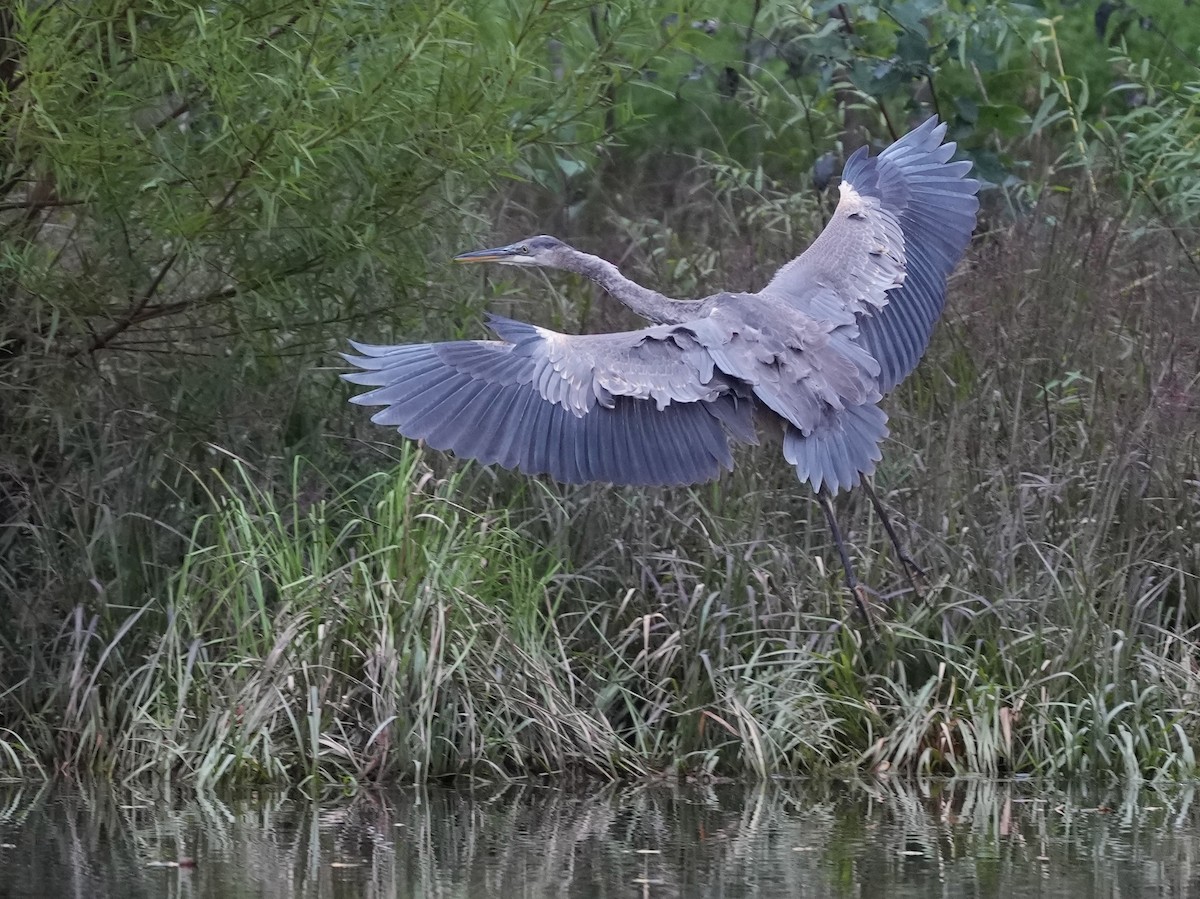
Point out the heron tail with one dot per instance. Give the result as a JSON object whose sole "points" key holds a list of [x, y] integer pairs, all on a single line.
{"points": [[840, 450]]}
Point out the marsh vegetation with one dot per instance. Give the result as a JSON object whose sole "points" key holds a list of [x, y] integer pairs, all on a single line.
{"points": [[212, 569]]}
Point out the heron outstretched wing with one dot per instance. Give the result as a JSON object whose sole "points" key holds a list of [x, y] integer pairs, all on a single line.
{"points": [[904, 219], [641, 407], [653, 406]]}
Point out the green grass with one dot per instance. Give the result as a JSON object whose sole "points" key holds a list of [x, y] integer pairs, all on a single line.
{"points": [[437, 618], [440, 619], [213, 569], [199, 581]]}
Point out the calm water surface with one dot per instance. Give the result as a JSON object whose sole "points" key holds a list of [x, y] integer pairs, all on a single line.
{"points": [[877, 838]]}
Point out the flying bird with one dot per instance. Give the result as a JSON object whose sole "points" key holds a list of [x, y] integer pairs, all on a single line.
{"points": [[813, 352]]}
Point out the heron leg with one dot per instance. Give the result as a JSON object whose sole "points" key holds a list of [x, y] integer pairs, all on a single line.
{"points": [[912, 570], [852, 584]]}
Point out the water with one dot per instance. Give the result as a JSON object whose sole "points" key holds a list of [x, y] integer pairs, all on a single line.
{"points": [[876, 838]]}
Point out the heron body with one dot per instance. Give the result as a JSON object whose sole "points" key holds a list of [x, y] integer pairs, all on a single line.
{"points": [[815, 350]]}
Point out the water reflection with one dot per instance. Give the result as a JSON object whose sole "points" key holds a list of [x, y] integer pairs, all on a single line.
{"points": [[954, 839]]}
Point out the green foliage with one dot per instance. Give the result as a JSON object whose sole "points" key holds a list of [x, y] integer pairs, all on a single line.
{"points": [[199, 203], [194, 173], [768, 84], [415, 627], [1094, 37], [196, 204], [1136, 120], [1154, 147]]}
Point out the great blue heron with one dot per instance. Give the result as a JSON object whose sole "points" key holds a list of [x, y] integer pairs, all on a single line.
{"points": [[816, 349]]}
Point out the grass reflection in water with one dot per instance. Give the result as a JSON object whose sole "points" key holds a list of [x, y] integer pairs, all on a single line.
{"points": [[797, 839]]}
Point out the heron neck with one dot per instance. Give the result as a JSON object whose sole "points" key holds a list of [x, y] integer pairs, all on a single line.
{"points": [[649, 304]]}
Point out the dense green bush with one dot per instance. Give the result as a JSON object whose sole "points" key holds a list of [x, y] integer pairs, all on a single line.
{"points": [[1154, 147], [199, 202]]}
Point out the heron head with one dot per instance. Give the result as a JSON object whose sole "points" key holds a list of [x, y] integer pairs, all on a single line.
{"points": [[542, 250]]}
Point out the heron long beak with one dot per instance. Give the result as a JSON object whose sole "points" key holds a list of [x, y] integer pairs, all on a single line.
{"points": [[495, 254]]}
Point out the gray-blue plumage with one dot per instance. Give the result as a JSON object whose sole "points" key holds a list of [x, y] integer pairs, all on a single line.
{"points": [[482, 399], [816, 349]]}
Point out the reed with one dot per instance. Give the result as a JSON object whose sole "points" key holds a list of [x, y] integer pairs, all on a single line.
{"points": [[438, 619]]}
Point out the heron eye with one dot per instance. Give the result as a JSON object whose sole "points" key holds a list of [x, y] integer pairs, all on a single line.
{"points": [[524, 251]]}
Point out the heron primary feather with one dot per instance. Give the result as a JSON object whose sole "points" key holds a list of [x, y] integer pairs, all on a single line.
{"points": [[815, 349]]}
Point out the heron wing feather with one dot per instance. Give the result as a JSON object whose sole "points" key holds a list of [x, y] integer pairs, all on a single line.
{"points": [[630, 408], [879, 268]]}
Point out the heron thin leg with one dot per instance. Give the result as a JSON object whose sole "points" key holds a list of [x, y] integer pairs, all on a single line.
{"points": [[911, 567], [852, 584]]}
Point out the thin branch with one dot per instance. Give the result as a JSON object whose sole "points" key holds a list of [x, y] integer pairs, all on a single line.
{"points": [[937, 107], [37, 205], [12, 180], [842, 14], [99, 341], [138, 311], [749, 38], [1166, 220], [144, 312]]}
